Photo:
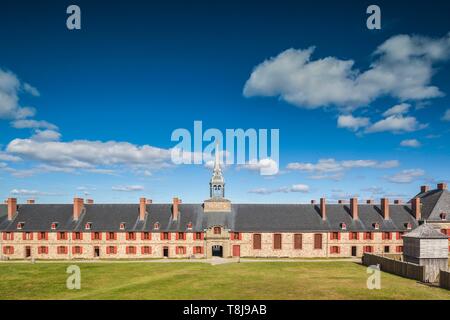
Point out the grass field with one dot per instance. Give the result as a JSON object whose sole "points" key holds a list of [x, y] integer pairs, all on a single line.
{"points": [[259, 280]]}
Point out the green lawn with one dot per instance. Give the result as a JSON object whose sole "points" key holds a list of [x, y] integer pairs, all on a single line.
{"points": [[259, 280]]}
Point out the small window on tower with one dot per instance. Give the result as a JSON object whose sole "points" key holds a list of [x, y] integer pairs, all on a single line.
{"points": [[217, 230], [122, 226], [156, 226], [88, 226], [443, 216]]}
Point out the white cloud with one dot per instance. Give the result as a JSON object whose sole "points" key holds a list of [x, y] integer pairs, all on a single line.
{"points": [[352, 123], [9, 98], [31, 90], [46, 135], [402, 68], [331, 165], [406, 176], [26, 192], [33, 124], [262, 165], [303, 188], [413, 143], [446, 116], [7, 157], [397, 109], [396, 124], [90, 155], [131, 188]]}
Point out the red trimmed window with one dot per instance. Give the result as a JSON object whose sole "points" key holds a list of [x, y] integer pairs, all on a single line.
{"points": [[62, 236], [277, 241], [111, 250], [399, 249], [54, 225], [8, 250], [318, 241], [180, 250], [368, 236], [131, 236], [353, 236], [146, 250], [42, 236], [198, 250], [181, 235], [400, 235], [298, 241], [42, 250], [368, 249], [8, 236], [146, 236], [217, 230], [61, 250], [335, 249], [96, 236], [198, 236], [111, 236], [236, 236], [165, 235], [335, 236], [27, 236], [77, 250], [387, 249], [131, 250], [387, 236], [77, 236], [257, 241]]}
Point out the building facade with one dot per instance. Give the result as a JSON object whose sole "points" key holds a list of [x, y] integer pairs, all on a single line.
{"points": [[84, 230]]}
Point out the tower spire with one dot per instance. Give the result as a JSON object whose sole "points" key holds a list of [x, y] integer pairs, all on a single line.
{"points": [[217, 183]]}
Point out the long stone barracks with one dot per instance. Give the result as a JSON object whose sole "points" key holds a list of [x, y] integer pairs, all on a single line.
{"points": [[84, 230]]}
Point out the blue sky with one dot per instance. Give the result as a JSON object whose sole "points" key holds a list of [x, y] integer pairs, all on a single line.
{"points": [[112, 93]]}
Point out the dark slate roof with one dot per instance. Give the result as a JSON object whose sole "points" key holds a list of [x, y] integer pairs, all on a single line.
{"points": [[434, 202], [425, 231], [243, 217]]}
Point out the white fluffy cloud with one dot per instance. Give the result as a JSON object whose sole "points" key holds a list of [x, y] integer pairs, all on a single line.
{"points": [[413, 143], [132, 188], [446, 116], [402, 68], [396, 124], [352, 123], [303, 188], [33, 124], [93, 156], [27, 192], [406, 176], [397, 109], [10, 87], [331, 165], [46, 135]]}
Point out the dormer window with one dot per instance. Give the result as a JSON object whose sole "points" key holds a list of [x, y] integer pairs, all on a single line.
{"points": [[88, 226], [408, 226], [189, 225], [376, 225], [122, 226], [156, 226], [443, 216], [20, 225], [54, 225], [343, 226]]}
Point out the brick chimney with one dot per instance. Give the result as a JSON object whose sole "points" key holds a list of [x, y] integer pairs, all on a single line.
{"points": [[415, 208], [175, 210], [385, 208], [369, 201], [442, 186], [12, 208], [354, 208], [142, 208], [30, 201], [424, 189], [323, 208], [78, 204], [90, 201]]}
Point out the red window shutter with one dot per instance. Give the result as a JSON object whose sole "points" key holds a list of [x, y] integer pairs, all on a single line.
{"points": [[176, 236], [128, 250], [107, 250], [4, 235], [58, 236], [184, 235], [169, 235], [127, 236], [142, 249], [31, 235], [339, 236], [161, 236], [232, 236], [12, 250], [202, 236], [108, 236]]}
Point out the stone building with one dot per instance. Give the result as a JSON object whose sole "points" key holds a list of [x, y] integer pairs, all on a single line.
{"points": [[217, 227]]}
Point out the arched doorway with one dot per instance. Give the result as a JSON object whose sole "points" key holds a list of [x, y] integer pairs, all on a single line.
{"points": [[217, 251]]}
